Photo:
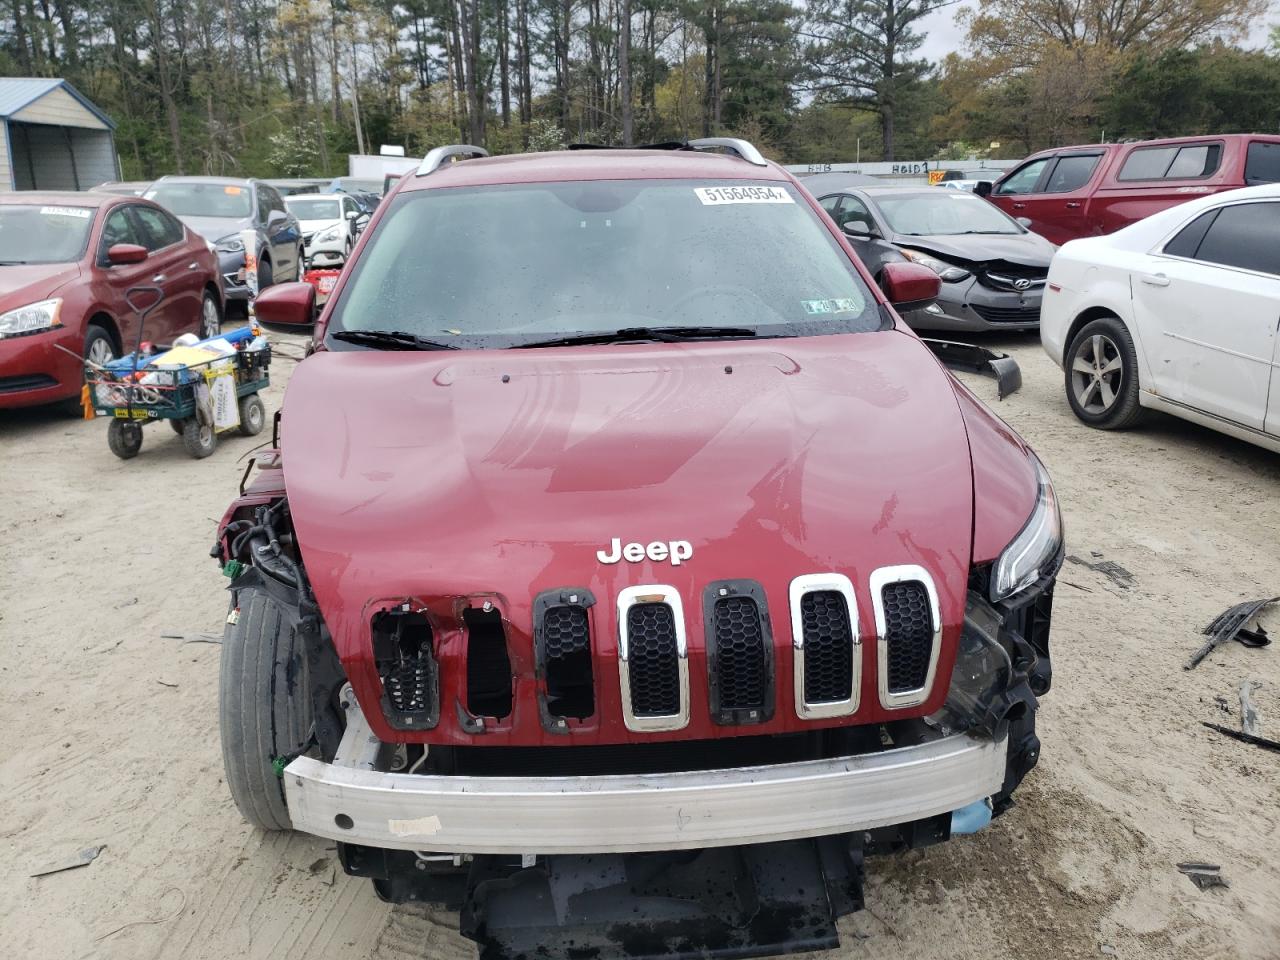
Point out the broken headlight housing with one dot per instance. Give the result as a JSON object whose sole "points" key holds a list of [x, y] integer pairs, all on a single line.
{"points": [[949, 272], [1037, 543]]}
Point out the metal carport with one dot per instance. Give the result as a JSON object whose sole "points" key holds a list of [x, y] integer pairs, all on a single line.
{"points": [[53, 138]]}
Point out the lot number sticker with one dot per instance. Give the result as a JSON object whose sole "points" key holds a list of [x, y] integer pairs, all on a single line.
{"points": [[711, 196], [78, 212]]}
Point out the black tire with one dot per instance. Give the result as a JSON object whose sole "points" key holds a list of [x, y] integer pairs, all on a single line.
{"points": [[1101, 375], [263, 705], [96, 341], [210, 316], [199, 439], [266, 277], [300, 263], [253, 415], [177, 426], [124, 437]]}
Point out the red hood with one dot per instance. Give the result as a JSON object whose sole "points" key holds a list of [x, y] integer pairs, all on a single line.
{"points": [[25, 283], [503, 472]]}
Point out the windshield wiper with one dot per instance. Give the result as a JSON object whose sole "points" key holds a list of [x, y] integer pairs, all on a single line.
{"points": [[391, 340], [660, 334]]}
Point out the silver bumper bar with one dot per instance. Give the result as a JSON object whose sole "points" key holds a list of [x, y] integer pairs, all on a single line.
{"points": [[350, 801]]}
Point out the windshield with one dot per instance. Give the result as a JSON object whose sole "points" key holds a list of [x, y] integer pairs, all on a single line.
{"points": [[943, 213], [354, 185], [43, 234], [504, 265], [226, 200], [311, 208]]}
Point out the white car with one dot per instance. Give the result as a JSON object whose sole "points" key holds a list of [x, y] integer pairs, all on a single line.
{"points": [[329, 226], [1177, 312]]}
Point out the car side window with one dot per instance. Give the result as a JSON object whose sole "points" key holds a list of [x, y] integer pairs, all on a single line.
{"points": [[1191, 162], [1024, 179], [264, 205], [1187, 240], [348, 206], [118, 228], [1071, 173], [1262, 163], [274, 201], [831, 204], [1244, 235], [159, 230]]}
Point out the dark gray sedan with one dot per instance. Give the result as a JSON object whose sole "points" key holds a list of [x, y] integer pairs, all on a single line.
{"points": [[993, 268]]}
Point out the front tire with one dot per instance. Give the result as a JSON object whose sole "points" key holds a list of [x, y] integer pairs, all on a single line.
{"points": [[124, 437], [210, 316], [266, 276], [264, 706], [1101, 371], [253, 415]]}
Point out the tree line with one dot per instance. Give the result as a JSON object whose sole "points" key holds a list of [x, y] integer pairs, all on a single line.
{"points": [[289, 87]]}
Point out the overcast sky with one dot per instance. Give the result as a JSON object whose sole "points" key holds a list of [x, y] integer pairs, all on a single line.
{"points": [[942, 36]]}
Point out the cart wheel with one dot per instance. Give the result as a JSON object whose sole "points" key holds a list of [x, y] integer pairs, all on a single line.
{"points": [[200, 439], [253, 415], [176, 425], [124, 437]]}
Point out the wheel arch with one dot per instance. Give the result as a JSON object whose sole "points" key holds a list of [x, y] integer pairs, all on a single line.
{"points": [[1088, 316], [100, 318]]}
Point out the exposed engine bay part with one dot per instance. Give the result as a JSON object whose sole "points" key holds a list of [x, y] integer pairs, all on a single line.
{"points": [[968, 356], [1230, 625]]}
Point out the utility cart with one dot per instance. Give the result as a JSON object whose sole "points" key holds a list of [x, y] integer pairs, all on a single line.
{"points": [[198, 397]]}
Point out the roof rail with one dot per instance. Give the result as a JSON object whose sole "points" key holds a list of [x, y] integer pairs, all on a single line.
{"points": [[742, 148], [437, 157]]}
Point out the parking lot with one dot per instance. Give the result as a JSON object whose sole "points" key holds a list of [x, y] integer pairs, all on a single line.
{"points": [[109, 602]]}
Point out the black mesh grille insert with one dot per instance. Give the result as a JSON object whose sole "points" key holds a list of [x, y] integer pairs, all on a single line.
{"points": [[740, 654], [908, 634], [653, 660], [566, 651], [828, 647]]}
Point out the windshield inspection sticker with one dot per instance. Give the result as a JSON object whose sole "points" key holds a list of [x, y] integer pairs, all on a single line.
{"points": [[843, 305], [717, 195], [79, 212]]}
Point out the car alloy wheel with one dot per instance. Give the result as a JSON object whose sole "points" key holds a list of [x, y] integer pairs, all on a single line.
{"points": [[1097, 374], [100, 351], [210, 322]]}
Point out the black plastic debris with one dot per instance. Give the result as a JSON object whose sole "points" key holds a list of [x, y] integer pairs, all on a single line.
{"points": [[969, 356], [1243, 737], [1203, 875], [1230, 625]]}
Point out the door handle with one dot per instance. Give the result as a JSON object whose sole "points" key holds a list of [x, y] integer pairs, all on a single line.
{"points": [[159, 278], [1073, 204], [1155, 279], [1019, 206], [193, 265]]}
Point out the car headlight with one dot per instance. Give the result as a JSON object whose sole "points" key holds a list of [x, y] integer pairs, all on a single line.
{"points": [[230, 244], [31, 318], [330, 233], [947, 271], [1036, 544]]}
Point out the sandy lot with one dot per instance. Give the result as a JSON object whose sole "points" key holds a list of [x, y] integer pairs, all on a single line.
{"points": [[112, 735]]}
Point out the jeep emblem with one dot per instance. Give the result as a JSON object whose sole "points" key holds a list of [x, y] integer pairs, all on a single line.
{"points": [[677, 551]]}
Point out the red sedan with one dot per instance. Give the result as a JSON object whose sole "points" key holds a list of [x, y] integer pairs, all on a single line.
{"points": [[66, 262]]}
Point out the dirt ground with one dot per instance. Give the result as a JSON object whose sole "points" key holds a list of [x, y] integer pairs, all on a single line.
{"points": [[112, 731]]}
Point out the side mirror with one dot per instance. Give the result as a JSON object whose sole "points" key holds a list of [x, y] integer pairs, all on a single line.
{"points": [[275, 217], [982, 188], [288, 304], [858, 229], [1025, 221], [353, 214], [121, 253], [362, 221], [909, 285]]}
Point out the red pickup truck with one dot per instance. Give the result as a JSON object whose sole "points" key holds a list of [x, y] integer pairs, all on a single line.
{"points": [[1087, 191]]}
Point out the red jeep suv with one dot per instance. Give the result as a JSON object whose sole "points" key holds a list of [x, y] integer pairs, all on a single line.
{"points": [[1087, 191], [626, 570]]}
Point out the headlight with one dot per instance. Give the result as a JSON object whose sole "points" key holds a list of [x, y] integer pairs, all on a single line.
{"points": [[230, 244], [1035, 545], [31, 318], [330, 233], [947, 271]]}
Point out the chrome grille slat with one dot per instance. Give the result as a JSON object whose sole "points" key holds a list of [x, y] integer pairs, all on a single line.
{"points": [[653, 666], [827, 651], [908, 632]]}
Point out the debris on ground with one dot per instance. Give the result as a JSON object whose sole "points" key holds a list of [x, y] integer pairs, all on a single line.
{"points": [[1117, 574], [1230, 625], [1203, 875], [182, 905], [193, 637], [82, 859], [1248, 712], [1243, 737]]}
